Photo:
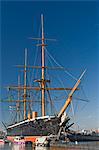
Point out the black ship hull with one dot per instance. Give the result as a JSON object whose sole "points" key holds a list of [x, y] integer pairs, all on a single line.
{"points": [[82, 138], [36, 127]]}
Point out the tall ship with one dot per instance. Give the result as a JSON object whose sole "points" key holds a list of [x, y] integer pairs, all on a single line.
{"points": [[28, 121]]}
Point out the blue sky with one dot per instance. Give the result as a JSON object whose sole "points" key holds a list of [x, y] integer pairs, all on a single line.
{"points": [[74, 24]]}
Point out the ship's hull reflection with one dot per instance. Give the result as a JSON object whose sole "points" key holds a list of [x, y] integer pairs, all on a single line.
{"points": [[27, 147], [18, 147]]}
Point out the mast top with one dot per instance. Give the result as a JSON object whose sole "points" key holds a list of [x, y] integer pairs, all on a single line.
{"points": [[42, 23]]}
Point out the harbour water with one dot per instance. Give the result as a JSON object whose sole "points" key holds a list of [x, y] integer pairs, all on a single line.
{"points": [[72, 146]]}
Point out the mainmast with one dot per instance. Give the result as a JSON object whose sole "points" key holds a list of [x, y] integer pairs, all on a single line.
{"points": [[43, 71]]}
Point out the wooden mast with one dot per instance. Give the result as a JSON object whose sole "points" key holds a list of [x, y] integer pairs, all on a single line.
{"points": [[43, 71], [25, 74]]}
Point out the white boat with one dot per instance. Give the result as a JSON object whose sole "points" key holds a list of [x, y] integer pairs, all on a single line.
{"points": [[42, 141], [19, 140]]}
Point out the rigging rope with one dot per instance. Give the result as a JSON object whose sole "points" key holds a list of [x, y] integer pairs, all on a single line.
{"points": [[60, 65], [36, 55], [59, 79]]}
